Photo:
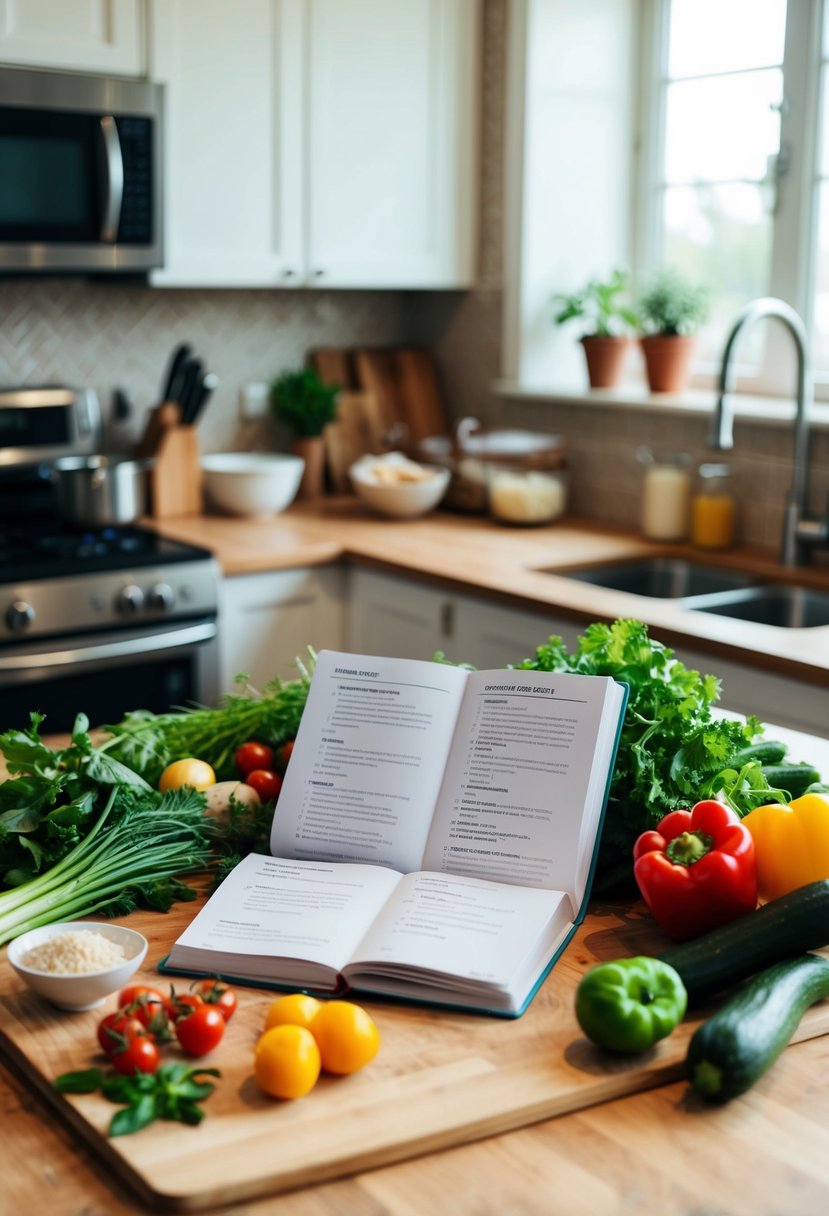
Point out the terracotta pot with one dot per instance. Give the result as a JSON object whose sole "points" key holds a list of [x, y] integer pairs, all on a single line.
{"points": [[605, 359], [312, 451], [667, 361]]}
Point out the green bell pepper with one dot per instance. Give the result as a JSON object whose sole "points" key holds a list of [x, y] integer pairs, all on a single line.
{"points": [[629, 1004]]}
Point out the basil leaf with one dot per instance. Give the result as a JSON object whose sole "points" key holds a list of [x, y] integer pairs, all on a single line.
{"points": [[132, 1118], [83, 1082]]}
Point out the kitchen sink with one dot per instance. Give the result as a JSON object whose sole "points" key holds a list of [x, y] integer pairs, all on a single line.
{"points": [[787, 606], [660, 577]]}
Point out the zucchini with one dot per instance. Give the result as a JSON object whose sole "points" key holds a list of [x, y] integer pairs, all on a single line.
{"points": [[769, 752], [782, 928], [733, 1049], [794, 778]]}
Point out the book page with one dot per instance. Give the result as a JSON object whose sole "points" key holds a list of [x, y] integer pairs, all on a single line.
{"points": [[466, 928], [525, 782], [268, 907], [368, 760]]}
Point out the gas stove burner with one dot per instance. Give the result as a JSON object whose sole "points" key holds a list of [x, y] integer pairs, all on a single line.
{"points": [[47, 550]]}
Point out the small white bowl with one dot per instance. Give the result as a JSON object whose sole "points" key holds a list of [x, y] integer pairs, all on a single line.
{"points": [[252, 483], [79, 991], [398, 499]]}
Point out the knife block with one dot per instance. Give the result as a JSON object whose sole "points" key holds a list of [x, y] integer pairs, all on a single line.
{"points": [[175, 478]]}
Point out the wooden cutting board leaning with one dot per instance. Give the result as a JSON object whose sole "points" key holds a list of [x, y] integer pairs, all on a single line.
{"points": [[440, 1078]]}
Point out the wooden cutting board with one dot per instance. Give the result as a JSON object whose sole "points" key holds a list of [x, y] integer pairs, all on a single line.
{"points": [[404, 382], [440, 1079]]}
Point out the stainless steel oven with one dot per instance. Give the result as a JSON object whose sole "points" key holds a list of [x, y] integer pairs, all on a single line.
{"points": [[80, 173], [101, 620]]}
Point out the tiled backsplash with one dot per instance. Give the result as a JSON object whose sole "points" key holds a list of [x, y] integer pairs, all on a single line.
{"points": [[105, 335]]}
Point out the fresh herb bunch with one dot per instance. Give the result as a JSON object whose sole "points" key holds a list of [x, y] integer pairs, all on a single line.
{"points": [[147, 742], [174, 1092], [672, 304], [80, 834], [304, 402], [600, 305], [672, 752]]}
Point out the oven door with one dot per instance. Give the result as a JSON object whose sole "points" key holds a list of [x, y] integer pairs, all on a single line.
{"points": [[105, 675]]}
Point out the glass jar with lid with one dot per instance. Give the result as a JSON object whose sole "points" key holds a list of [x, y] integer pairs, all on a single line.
{"points": [[666, 496], [526, 496]]}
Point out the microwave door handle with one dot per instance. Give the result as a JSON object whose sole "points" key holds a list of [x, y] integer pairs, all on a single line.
{"points": [[113, 179]]}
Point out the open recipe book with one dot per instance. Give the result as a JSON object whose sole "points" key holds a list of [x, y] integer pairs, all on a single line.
{"points": [[433, 840]]}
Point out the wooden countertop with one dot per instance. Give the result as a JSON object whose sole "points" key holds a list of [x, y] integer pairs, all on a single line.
{"points": [[515, 566], [655, 1152]]}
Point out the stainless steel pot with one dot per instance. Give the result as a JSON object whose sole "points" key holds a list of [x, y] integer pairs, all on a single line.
{"points": [[98, 490]]}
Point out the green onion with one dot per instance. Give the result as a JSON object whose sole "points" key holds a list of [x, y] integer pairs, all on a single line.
{"points": [[133, 854]]}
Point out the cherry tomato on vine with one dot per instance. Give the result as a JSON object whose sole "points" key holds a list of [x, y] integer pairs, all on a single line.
{"points": [[118, 1029], [266, 783], [184, 1003], [283, 755], [214, 992], [140, 1055], [201, 1030], [253, 755], [149, 1006]]}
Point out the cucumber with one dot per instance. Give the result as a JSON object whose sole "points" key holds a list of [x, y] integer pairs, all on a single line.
{"points": [[781, 929], [733, 1049], [769, 752], [794, 778]]}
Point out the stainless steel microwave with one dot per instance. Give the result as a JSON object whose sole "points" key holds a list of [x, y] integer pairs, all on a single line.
{"points": [[80, 173]]}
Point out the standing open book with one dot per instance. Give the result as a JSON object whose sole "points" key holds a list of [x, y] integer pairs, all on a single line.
{"points": [[434, 838]]}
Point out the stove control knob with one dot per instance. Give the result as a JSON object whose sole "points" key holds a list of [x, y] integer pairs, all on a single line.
{"points": [[129, 600], [19, 616], [160, 597]]}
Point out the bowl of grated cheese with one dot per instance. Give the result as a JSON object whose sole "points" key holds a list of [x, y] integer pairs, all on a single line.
{"points": [[78, 964], [395, 486]]}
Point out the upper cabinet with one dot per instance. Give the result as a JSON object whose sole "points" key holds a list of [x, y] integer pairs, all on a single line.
{"points": [[101, 36], [327, 143]]}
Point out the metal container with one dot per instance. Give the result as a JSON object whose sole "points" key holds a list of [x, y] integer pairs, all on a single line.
{"points": [[97, 490]]}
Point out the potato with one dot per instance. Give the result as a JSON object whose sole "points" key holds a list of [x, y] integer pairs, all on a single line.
{"points": [[219, 795]]}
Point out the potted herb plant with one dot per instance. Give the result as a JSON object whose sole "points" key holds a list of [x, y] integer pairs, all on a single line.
{"points": [[606, 315], [671, 308], [306, 404]]}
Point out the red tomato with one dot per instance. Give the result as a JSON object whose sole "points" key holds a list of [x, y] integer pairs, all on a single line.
{"points": [[253, 755], [140, 1055], [214, 992], [184, 1003], [149, 1006], [200, 1031], [266, 783], [118, 1029], [283, 755]]}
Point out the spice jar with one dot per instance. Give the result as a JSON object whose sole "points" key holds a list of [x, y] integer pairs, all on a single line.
{"points": [[712, 508], [666, 499]]}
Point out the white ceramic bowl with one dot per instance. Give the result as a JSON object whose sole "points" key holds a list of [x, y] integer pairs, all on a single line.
{"points": [[398, 499], [90, 989], [252, 483]]}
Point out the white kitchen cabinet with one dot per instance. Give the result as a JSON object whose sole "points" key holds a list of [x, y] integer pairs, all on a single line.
{"points": [[267, 620], [102, 36], [318, 142], [393, 616]]}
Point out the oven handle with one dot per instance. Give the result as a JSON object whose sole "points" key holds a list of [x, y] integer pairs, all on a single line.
{"points": [[102, 651], [114, 175]]}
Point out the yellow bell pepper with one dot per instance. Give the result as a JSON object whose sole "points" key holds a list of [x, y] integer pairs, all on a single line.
{"points": [[791, 843]]}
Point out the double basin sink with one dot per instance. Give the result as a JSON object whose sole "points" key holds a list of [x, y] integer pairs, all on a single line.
{"points": [[714, 589]]}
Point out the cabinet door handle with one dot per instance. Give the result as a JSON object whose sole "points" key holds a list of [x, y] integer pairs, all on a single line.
{"points": [[447, 619]]}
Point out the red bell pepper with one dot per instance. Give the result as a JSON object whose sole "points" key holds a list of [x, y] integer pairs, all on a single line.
{"points": [[696, 870]]}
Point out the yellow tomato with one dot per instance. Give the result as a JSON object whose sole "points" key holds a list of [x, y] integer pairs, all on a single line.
{"points": [[347, 1036], [298, 1009], [196, 773], [286, 1062]]}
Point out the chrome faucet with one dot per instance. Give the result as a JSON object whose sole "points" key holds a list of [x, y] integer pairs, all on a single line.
{"points": [[799, 529]]}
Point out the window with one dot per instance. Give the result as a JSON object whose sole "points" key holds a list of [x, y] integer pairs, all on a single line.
{"points": [[721, 111]]}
